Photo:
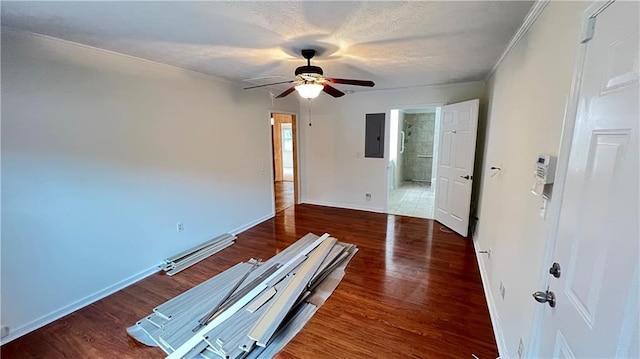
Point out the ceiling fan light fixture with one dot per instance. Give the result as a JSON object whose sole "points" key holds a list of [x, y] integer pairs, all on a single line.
{"points": [[309, 90]]}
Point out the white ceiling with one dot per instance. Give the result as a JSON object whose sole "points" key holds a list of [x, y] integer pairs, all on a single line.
{"points": [[396, 44]]}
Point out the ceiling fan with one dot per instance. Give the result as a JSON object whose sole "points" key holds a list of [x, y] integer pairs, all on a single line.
{"points": [[310, 81]]}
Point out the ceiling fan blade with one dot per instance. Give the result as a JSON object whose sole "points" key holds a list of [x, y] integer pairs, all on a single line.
{"points": [[288, 91], [332, 91], [351, 82], [275, 83]]}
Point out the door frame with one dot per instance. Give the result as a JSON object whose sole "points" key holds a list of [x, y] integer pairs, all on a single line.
{"points": [[566, 139], [296, 157], [387, 140]]}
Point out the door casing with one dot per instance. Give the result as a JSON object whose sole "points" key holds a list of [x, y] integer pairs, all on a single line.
{"points": [[296, 158]]}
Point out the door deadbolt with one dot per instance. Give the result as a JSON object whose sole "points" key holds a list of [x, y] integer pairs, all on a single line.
{"points": [[555, 270], [545, 297]]}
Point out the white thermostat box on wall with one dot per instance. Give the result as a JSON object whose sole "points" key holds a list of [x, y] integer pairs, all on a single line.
{"points": [[544, 175], [545, 169]]}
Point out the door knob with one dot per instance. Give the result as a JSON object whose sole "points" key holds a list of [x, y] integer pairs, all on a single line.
{"points": [[545, 297], [466, 177]]}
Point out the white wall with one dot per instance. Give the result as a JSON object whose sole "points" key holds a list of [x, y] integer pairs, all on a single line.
{"points": [[332, 149], [436, 148], [527, 96], [102, 154]]}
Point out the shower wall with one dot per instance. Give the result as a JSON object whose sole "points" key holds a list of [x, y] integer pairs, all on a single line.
{"points": [[419, 129]]}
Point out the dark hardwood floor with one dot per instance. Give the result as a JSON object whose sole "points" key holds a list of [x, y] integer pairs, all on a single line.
{"points": [[412, 291], [283, 194]]}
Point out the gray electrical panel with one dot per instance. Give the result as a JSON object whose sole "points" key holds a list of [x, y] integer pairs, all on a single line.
{"points": [[374, 135]]}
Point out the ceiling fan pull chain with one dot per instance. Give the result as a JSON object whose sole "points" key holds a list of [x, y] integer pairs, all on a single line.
{"points": [[309, 107]]}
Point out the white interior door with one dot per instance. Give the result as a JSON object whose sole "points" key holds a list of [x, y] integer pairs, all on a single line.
{"points": [[596, 312], [456, 154]]}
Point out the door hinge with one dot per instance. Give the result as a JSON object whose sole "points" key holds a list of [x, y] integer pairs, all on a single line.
{"points": [[590, 25], [589, 30]]}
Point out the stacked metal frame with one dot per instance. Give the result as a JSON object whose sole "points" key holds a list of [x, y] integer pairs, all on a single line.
{"points": [[194, 255], [252, 309]]}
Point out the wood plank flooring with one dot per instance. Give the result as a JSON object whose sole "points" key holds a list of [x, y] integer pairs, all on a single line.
{"points": [[412, 291], [283, 194]]}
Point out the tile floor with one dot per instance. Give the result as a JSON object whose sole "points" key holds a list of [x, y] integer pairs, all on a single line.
{"points": [[414, 199]]}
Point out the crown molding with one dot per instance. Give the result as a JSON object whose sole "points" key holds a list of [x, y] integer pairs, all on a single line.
{"points": [[528, 21]]}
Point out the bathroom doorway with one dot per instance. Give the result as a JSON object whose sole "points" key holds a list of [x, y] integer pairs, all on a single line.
{"points": [[413, 161]]}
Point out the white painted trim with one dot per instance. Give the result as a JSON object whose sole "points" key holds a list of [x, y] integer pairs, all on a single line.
{"points": [[114, 53], [79, 304], [344, 205], [562, 167], [493, 311], [528, 21], [265, 327], [252, 224], [92, 298]]}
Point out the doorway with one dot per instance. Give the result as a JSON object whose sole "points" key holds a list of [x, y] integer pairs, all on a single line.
{"points": [[285, 159], [413, 161]]}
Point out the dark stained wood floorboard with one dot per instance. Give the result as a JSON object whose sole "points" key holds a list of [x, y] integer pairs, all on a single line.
{"points": [[283, 191], [412, 291]]}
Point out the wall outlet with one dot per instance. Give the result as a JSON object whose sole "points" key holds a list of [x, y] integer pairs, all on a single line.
{"points": [[367, 196], [520, 348], [4, 331], [487, 252], [502, 289], [179, 227]]}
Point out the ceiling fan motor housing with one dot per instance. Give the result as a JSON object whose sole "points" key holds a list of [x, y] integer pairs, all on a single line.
{"points": [[309, 70]]}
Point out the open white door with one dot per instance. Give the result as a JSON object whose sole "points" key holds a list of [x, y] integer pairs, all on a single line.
{"points": [[596, 313], [456, 153]]}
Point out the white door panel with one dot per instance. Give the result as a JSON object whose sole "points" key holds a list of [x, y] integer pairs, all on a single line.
{"points": [[447, 119], [459, 203], [455, 165], [443, 199], [445, 149], [596, 244], [462, 150]]}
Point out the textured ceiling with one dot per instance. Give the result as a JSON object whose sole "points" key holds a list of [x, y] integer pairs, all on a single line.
{"points": [[395, 44]]}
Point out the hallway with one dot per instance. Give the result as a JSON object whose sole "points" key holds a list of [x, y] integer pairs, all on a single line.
{"points": [[283, 192]]}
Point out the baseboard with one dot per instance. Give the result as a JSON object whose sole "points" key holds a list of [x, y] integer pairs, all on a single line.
{"points": [[252, 224], [493, 312], [68, 309], [343, 205]]}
